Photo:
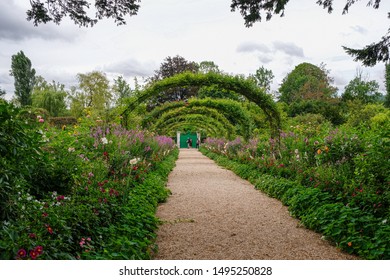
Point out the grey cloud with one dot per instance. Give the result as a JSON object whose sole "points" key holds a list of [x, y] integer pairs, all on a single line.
{"points": [[265, 58], [288, 48], [253, 47], [359, 29], [15, 27], [130, 68]]}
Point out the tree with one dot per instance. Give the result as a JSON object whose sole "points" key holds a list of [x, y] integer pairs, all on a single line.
{"points": [[387, 81], [170, 67], [370, 55], [362, 89], [307, 82], [208, 66], [93, 92], [121, 89], [2, 93], [55, 10], [24, 75], [263, 78], [51, 97]]}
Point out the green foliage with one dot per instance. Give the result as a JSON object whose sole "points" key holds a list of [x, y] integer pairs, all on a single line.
{"points": [[51, 97], [93, 194], [387, 84], [231, 111], [169, 68], [93, 93], [363, 90], [334, 180], [306, 82], [236, 84], [56, 10], [24, 75], [263, 78]]}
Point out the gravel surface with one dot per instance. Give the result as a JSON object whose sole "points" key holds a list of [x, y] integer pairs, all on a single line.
{"points": [[213, 214]]}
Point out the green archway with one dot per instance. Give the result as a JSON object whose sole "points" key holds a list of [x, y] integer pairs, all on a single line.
{"points": [[220, 129], [201, 112], [237, 84], [233, 111]]}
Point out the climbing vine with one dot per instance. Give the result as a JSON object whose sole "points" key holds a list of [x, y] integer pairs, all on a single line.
{"points": [[237, 84], [173, 115]]}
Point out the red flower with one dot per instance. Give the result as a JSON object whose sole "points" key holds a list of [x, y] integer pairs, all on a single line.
{"points": [[44, 214], [22, 253], [33, 254], [50, 230], [39, 250], [32, 235]]}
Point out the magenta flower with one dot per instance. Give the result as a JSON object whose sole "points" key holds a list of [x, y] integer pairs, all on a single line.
{"points": [[39, 250], [41, 120], [33, 254], [22, 253]]}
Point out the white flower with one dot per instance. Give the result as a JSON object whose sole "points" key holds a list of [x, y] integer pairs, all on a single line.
{"points": [[384, 221], [71, 149], [104, 140], [134, 161]]}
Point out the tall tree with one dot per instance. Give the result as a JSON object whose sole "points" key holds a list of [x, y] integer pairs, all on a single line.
{"points": [[387, 81], [93, 92], [170, 67], [51, 97], [121, 90], [251, 10], [362, 89], [24, 75], [307, 82], [208, 66], [263, 78]]}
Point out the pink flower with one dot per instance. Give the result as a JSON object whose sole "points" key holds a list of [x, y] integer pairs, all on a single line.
{"points": [[41, 120], [39, 250], [22, 253], [33, 254]]}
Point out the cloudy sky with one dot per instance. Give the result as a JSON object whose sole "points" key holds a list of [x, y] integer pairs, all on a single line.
{"points": [[197, 30]]}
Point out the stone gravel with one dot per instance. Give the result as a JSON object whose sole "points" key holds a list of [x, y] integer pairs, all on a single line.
{"points": [[213, 214]]}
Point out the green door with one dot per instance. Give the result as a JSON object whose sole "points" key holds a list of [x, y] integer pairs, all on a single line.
{"points": [[184, 138]]}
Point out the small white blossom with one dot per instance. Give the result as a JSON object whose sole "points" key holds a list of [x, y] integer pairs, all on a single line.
{"points": [[70, 150], [104, 141]]}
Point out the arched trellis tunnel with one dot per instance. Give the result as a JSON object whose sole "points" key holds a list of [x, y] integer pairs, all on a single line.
{"points": [[213, 116], [233, 111], [237, 84]]}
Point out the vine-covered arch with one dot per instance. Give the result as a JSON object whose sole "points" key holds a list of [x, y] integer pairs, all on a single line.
{"points": [[233, 111], [237, 84], [202, 124], [185, 113], [221, 126]]}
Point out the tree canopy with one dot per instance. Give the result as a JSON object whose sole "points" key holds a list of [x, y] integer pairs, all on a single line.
{"points": [[24, 75], [43, 11], [251, 10], [306, 82]]}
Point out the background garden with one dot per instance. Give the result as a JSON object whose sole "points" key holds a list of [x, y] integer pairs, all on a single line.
{"points": [[83, 169]]}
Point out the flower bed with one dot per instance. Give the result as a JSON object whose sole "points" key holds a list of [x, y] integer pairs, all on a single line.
{"points": [[335, 181], [93, 193]]}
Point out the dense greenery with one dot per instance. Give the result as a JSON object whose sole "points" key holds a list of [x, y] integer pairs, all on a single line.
{"points": [[335, 179], [24, 78], [87, 191], [237, 84]]}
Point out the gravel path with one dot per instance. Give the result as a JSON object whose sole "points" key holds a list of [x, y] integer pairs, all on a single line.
{"points": [[213, 214]]}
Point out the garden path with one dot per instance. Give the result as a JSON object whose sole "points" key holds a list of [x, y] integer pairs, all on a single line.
{"points": [[213, 214]]}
